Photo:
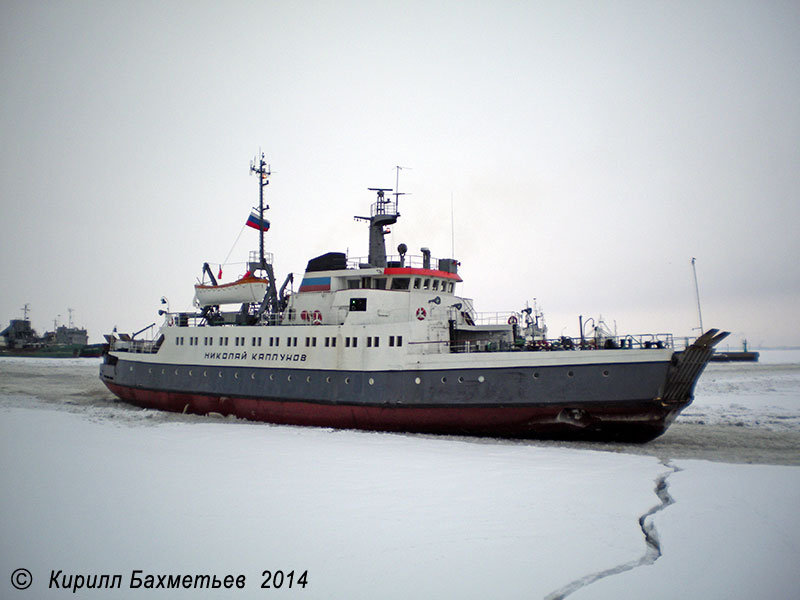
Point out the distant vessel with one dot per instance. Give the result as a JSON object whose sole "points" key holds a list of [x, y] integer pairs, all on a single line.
{"points": [[385, 343], [743, 355], [20, 339]]}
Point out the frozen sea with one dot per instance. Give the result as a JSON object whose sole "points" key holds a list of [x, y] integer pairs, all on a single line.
{"points": [[92, 486]]}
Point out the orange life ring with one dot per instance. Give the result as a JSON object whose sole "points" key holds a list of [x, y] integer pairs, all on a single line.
{"points": [[512, 320], [317, 317], [421, 313]]}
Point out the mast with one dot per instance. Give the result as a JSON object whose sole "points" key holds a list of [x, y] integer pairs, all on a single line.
{"points": [[382, 214], [270, 303], [697, 295], [263, 172]]}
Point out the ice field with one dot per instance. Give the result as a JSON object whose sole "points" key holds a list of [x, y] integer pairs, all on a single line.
{"points": [[91, 486]]}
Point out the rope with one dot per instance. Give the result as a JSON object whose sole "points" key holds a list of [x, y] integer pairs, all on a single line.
{"points": [[225, 262]]}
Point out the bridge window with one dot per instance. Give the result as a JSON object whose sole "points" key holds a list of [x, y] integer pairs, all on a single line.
{"points": [[417, 282], [400, 283]]}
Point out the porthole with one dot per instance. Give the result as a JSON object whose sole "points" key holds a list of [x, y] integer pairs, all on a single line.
{"points": [[570, 373], [444, 379], [481, 379], [288, 378], [272, 377], [327, 379], [252, 375], [308, 379], [605, 373], [460, 380], [347, 380], [219, 374], [163, 371], [236, 376], [536, 374], [176, 371], [131, 368], [150, 370], [190, 372], [371, 381], [418, 381], [205, 373]]}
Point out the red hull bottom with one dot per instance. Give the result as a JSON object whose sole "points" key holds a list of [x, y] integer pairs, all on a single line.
{"points": [[638, 421]]}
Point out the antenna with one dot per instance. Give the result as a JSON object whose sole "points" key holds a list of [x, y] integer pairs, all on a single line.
{"points": [[452, 229], [397, 192], [697, 294]]}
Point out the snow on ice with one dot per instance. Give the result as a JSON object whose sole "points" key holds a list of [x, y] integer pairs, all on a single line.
{"points": [[93, 486]]}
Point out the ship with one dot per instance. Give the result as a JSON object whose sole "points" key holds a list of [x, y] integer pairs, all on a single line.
{"points": [[65, 341], [386, 343]]}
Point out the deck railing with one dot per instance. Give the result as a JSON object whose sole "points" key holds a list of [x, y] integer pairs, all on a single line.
{"points": [[136, 346], [393, 260], [644, 341]]}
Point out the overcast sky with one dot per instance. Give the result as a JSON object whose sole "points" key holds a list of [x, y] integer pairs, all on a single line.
{"points": [[590, 149]]}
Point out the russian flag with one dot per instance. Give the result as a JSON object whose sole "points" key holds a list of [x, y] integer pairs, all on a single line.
{"points": [[256, 222]]}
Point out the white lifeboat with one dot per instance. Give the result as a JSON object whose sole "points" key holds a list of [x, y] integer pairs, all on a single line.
{"points": [[247, 289]]}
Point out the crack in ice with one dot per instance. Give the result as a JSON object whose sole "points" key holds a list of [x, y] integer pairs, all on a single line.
{"points": [[653, 545]]}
